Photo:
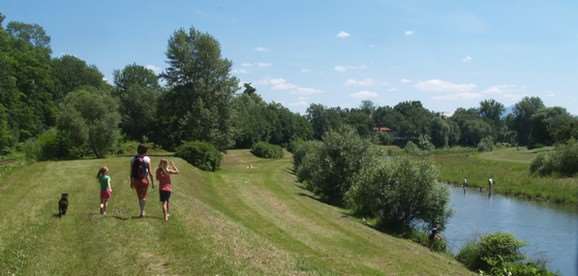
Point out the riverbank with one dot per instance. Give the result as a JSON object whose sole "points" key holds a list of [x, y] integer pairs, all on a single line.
{"points": [[248, 218], [510, 169]]}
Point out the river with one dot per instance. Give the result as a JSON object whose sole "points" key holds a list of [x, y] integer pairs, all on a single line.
{"points": [[550, 232]]}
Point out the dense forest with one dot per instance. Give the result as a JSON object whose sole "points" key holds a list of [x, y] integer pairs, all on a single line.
{"points": [[61, 107]]}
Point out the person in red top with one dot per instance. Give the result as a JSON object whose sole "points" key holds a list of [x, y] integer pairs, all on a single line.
{"points": [[164, 172]]}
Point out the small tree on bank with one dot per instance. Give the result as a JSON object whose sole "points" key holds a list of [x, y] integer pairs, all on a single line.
{"points": [[399, 192]]}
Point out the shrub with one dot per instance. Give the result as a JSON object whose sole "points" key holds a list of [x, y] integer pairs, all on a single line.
{"points": [[492, 252], [542, 165], [330, 169], [303, 149], [383, 138], [411, 148], [486, 144], [422, 237], [46, 146], [202, 155], [400, 192], [266, 150], [294, 144], [424, 143], [563, 161]]}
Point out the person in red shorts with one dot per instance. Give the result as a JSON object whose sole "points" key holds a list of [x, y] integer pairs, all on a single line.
{"points": [[140, 174], [163, 173], [105, 188]]}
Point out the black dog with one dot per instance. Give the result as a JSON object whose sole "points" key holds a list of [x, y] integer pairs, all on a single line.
{"points": [[63, 205]]}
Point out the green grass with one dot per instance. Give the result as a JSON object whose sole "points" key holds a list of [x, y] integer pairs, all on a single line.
{"points": [[517, 155], [510, 169], [241, 220]]}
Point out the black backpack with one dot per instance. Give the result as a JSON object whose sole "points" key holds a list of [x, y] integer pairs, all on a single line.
{"points": [[139, 167]]}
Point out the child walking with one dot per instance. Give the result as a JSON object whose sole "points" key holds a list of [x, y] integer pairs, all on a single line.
{"points": [[163, 174], [105, 188]]}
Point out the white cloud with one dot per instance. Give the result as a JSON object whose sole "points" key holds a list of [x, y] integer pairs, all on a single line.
{"points": [[391, 89], [467, 59], [264, 64], [408, 33], [256, 64], [405, 81], [343, 35], [281, 84], [345, 68], [361, 82], [550, 93], [154, 68], [364, 95], [305, 70], [447, 90], [444, 86], [458, 96], [507, 92], [240, 71], [262, 49]]}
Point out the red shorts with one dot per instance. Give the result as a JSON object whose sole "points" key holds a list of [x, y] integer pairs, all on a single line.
{"points": [[141, 186], [105, 195]]}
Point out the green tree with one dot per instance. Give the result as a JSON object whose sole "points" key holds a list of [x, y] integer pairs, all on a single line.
{"points": [[94, 112], [197, 107], [138, 90], [521, 120], [551, 125], [492, 111], [400, 192], [440, 132], [341, 155], [72, 73], [323, 119]]}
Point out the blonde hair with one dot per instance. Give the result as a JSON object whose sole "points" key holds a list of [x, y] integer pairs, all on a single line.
{"points": [[102, 171], [164, 165]]}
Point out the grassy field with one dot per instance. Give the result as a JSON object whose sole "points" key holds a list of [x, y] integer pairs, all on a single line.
{"points": [[238, 221], [510, 169]]}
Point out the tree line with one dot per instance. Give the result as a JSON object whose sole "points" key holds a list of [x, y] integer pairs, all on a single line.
{"points": [[61, 107]]}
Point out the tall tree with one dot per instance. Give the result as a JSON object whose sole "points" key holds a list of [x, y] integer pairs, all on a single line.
{"points": [[138, 90], [72, 72], [522, 118], [201, 88], [90, 119]]}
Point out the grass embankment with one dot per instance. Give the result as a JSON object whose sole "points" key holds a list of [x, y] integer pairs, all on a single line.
{"points": [[239, 220], [510, 169]]}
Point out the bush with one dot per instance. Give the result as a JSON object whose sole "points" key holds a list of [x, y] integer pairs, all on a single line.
{"points": [[202, 155], [303, 149], [562, 161], [266, 150], [424, 143], [486, 144], [422, 237], [542, 165], [46, 146], [330, 169], [400, 192], [294, 144], [383, 138], [492, 252], [411, 148]]}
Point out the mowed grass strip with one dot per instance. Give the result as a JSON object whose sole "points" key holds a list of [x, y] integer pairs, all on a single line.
{"points": [[510, 170], [241, 220]]}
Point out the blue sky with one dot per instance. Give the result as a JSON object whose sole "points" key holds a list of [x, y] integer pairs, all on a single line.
{"points": [[446, 54]]}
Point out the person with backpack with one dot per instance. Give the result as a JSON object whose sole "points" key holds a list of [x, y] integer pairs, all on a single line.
{"points": [[140, 173]]}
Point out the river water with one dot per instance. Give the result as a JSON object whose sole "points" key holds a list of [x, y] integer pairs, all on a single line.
{"points": [[550, 233]]}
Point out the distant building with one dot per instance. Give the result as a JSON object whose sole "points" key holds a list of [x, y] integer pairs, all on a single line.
{"points": [[382, 129]]}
